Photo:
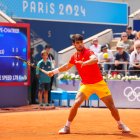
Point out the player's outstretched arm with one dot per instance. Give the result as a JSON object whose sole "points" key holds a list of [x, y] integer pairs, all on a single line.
{"points": [[62, 68], [93, 59]]}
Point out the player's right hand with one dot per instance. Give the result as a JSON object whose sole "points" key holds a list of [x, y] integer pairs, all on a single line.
{"points": [[50, 73]]}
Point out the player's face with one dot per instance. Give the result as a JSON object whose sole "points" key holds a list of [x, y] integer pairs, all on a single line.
{"points": [[78, 45], [45, 56]]}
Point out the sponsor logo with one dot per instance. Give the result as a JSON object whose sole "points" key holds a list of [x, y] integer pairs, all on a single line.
{"points": [[132, 94]]}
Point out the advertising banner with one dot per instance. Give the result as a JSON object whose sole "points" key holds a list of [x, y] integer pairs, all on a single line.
{"points": [[82, 11], [126, 94]]}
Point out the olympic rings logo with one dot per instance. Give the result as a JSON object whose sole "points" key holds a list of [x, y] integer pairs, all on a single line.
{"points": [[132, 94]]}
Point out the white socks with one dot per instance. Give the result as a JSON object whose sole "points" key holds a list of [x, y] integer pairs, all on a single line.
{"points": [[119, 122], [68, 123]]}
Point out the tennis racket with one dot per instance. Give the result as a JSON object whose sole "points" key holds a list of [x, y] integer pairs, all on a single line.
{"points": [[31, 64]]}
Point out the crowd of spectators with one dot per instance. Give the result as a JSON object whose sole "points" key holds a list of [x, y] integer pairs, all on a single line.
{"points": [[125, 59]]}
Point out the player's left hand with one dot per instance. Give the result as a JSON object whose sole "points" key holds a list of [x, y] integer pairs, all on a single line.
{"points": [[80, 62]]}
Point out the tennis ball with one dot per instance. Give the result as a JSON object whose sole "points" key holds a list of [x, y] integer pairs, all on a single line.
{"points": [[105, 55]]}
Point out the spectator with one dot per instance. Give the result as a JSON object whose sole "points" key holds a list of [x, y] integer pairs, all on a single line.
{"points": [[128, 44], [95, 47], [138, 35], [50, 56], [52, 60], [33, 79], [120, 56], [38, 57], [135, 60], [44, 80], [135, 34], [106, 55], [130, 33]]}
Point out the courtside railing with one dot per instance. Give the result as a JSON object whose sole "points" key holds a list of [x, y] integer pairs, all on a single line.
{"points": [[126, 69]]}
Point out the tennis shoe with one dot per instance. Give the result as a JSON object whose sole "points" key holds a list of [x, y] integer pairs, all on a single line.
{"points": [[47, 104], [64, 130], [124, 128], [41, 104]]}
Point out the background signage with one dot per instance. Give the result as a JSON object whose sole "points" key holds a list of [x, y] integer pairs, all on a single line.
{"points": [[81, 11], [14, 40]]}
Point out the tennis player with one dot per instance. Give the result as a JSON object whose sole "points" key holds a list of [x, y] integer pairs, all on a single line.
{"points": [[92, 82]]}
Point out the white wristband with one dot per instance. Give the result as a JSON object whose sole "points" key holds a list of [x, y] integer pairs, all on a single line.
{"points": [[55, 71]]}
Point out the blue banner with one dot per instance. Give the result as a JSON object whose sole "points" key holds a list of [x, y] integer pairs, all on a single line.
{"points": [[81, 11]]}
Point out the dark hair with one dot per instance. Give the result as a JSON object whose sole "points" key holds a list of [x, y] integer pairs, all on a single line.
{"points": [[129, 28], [48, 46], [104, 46], [76, 37]]}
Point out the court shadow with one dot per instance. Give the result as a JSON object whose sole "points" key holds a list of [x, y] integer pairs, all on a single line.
{"points": [[130, 135]]}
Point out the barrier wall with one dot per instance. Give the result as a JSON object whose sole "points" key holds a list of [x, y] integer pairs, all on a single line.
{"points": [[13, 96], [126, 94]]}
